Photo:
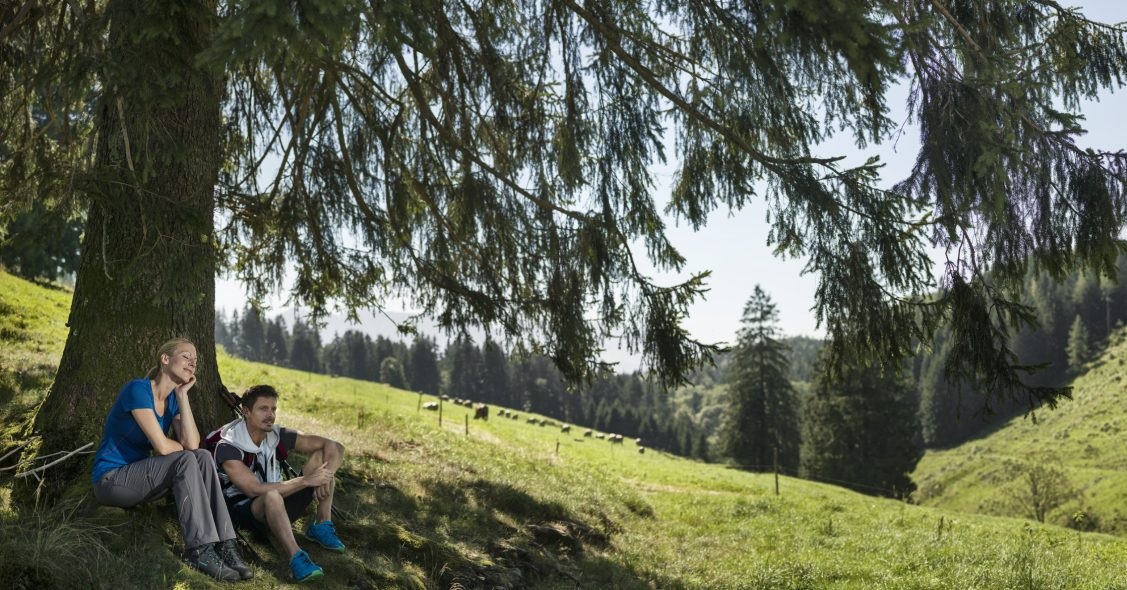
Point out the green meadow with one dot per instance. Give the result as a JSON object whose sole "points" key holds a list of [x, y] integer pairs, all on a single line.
{"points": [[1082, 440], [509, 504]]}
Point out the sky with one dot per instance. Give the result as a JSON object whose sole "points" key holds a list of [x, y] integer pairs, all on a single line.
{"points": [[734, 245]]}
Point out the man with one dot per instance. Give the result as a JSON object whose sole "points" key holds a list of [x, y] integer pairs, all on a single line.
{"points": [[247, 452]]}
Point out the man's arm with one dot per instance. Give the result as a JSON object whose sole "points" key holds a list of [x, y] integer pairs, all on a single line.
{"points": [[332, 452], [325, 450], [243, 479]]}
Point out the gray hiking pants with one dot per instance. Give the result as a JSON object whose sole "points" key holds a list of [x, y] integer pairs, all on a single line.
{"points": [[194, 483]]}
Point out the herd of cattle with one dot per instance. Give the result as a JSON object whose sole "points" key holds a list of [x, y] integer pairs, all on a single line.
{"points": [[481, 412]]}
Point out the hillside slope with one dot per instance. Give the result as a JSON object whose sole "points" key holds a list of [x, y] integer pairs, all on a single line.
{"points": [[1082, 441], [513, 505]]}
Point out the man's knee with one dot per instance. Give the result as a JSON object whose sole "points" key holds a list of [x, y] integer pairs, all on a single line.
{"points": [[272, 500]]}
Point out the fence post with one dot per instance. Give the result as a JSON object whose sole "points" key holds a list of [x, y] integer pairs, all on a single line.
{"points": [[440, 412], [419, 407], [467, 424], [557, 447]]}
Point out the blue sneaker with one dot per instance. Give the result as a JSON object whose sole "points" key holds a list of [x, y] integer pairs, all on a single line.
{"points": [[303, 568], [325, 534]]}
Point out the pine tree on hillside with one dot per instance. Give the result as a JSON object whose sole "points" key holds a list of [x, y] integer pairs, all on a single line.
{"points": [[305, 348], [358, 362], [223, 333], [762, 414], [422, 366], [496, 385], [1088, 303], [252, 340], [41, 242], [1079, 347], [861, 431], [465, 362], [276, 346], [391, 372]]}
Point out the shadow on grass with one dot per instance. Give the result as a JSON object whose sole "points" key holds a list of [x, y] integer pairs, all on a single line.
{"points": [[477, 533]]}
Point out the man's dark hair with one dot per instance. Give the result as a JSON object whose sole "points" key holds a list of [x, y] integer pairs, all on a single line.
{"points": [[254, 392]]}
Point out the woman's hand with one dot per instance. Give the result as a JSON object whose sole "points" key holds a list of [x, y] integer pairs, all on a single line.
{"points": [[183, 388]]}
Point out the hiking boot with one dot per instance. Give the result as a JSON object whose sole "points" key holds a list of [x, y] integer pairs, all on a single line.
{"points": [[229, 552], [205, 559], [325, 534], [303, 568]]}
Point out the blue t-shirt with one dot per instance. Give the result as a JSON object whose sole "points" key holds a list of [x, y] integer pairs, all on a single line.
{"points": [[123, 441]]}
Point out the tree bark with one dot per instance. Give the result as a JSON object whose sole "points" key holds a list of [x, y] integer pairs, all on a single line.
{"points": [[148, 263]]}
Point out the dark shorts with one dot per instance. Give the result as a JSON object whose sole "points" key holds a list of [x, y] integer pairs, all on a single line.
{"points": [[242, 517]]}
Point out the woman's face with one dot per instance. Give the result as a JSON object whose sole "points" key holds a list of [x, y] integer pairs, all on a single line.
{"points": [[181, 364]]}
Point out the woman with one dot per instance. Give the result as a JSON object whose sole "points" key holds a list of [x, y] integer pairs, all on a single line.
{"points": [[126, 475]]}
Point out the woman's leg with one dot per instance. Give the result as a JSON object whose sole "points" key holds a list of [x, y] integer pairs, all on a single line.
{"points": [[145, 479], [133, 484], [213, 492]]}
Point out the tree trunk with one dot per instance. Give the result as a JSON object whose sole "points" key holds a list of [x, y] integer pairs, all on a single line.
{"points": [[148, 254]]}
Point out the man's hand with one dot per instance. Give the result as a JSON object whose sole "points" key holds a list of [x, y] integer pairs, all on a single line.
{"points": [[319, 478]]}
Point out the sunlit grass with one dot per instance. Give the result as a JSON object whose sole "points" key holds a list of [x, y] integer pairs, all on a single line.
{"points": [[1083, 438]]}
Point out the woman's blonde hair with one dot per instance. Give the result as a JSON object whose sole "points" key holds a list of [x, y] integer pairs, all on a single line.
{"points": [[167, 348]]}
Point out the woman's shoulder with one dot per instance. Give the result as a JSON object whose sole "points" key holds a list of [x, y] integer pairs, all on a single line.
{"points": [[141, 383], [136, 393]]}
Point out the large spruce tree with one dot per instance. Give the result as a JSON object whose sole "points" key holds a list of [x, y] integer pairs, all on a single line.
{"points": [[490, 161], [762, 416], [860, 430]]}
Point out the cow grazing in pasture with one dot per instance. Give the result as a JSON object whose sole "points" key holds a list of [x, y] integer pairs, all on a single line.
{"points": [[480, 412], [433, 406]]}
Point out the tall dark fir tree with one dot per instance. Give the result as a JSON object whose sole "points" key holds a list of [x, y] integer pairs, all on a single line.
{"points": [[305, 347], [860, 430], [762, 416], [422, 369]]}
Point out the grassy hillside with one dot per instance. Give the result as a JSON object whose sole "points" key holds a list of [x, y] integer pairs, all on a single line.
{"points": [[1082, 440], [32, 334], [516, 505]]}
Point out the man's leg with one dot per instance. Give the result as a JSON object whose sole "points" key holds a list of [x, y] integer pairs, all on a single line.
{"points": [[333, 455], [270, 508]]}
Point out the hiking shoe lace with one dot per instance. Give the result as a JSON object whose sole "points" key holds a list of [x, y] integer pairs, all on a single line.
{"points": [[325, 534], [205, 559], [303, 568], [229, 552]]}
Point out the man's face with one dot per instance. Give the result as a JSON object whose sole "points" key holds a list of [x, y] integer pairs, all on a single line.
{"points": [[261, 415]]}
